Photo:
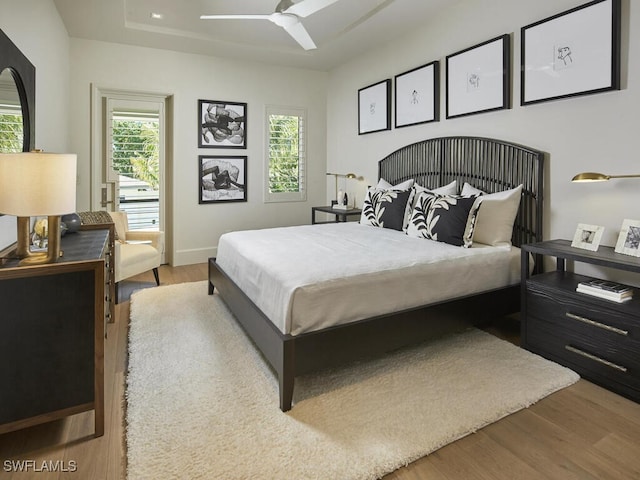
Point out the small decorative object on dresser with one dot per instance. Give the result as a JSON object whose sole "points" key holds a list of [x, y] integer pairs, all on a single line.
{"points": [[587, 236], [629, 238], [594, 336]]}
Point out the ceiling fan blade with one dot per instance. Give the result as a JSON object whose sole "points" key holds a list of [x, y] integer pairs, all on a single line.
{"points": [[307, 7], [235, 17], [300, 35]]}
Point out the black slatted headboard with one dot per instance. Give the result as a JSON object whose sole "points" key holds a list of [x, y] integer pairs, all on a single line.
{"points": [[488, 164]]}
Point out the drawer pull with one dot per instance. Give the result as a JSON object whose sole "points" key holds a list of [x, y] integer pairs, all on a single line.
{"points": [[595, 358], [597, 324]]}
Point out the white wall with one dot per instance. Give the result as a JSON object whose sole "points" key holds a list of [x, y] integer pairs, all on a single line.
{"points": [[587, 133], [196, 228], [37, 30]]}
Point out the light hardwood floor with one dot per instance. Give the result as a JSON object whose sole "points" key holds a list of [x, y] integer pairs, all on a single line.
{"points": [[582, 432]]}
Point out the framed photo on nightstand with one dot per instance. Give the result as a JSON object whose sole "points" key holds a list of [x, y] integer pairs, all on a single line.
{"points": [[587, 237], [629, 238]]}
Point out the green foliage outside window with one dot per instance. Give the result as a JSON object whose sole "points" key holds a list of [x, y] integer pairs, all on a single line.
{"points": [[135, 150], [284, 157], [11, 133]]}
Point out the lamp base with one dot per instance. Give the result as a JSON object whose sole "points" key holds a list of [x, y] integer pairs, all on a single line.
{"points": [[341, 207], [53, 244]]}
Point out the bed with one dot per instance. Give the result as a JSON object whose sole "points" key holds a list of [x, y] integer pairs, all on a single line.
{"points": [[338, 332]]}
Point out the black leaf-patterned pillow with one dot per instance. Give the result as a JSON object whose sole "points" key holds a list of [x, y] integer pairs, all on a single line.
{"points": [[444, 218], [384, 208]]}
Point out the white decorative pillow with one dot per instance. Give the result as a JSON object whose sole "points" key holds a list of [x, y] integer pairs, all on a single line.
{"points": [[445, 218], [384, 185], [448, 189], [494, 225]]}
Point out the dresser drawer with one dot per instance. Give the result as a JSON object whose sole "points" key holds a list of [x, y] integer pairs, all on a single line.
{"points": [[599, 319]]}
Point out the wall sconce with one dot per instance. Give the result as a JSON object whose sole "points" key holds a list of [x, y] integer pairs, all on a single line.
{"points": [[37, 184], [598, 177], [342, 175]]}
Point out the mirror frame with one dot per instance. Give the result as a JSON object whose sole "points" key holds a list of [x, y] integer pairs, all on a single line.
{"points": [[24, 75]]}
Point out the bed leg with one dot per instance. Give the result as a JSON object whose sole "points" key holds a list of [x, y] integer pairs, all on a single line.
{"points": [[286, 376], [210, 288]]}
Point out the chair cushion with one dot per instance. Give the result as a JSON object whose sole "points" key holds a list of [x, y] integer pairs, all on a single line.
{"points": [[134, 259], [121, 223]]}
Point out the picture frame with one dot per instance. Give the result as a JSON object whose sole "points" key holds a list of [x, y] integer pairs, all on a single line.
{"points": [[417, 95], [576, 52], [374, 107], [478, 78], [587, 237], [222, 178], [629, 238], [222, 124]]}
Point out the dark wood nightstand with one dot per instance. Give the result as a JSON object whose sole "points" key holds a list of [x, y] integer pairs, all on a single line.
{"points": [[341, 215], [599, 339]]}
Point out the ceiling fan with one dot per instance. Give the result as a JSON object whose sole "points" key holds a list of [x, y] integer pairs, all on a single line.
{"points": [[287, 16]]}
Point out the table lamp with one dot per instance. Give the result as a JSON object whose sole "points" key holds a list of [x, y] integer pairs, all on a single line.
{"points": [[344, 175], [37, 184]]}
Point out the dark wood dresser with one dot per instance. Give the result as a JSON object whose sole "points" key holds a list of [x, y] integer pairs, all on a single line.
{"points": [[597, 338], [52, 335]]}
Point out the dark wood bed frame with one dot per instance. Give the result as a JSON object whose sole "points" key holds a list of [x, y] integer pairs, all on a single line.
{"points": [[488, 164]]}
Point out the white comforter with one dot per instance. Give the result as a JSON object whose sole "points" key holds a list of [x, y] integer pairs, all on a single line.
{"points": [[311, 277]]}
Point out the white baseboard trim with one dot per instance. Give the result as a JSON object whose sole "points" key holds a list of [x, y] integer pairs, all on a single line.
{"points": [[192, 256]]}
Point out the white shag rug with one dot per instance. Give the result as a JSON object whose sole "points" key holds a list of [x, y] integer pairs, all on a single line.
{"points": [[202, 403]]}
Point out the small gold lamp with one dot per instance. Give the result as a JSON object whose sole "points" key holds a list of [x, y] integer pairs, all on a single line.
{"points": [[37, 184], [598, 177], [342, 175]]}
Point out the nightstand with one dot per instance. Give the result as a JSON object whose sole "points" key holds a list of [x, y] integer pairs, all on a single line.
{"points": [[341, 215], [597, 338]]}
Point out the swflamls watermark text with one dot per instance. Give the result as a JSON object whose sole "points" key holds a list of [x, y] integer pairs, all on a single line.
{"points": [[40, 466]]}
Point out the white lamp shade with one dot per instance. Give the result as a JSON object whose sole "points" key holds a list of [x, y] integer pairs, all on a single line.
{"points": [[37, 183]]}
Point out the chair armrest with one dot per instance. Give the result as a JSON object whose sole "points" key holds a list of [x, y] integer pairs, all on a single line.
{"points": [[155, 237]]}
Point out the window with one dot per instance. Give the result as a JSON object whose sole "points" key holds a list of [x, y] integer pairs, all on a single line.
{"points": [[285, 159]]}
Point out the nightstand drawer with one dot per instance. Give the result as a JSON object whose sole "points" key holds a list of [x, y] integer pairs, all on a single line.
{"points": [[593, 317], [606, 362]]}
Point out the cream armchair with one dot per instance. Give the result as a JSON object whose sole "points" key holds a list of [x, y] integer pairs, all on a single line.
{"points": [[136, 251]]}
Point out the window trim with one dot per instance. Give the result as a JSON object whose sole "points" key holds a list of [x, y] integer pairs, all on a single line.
{"points": [[300, 196]]}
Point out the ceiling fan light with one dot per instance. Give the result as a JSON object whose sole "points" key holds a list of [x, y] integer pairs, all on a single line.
{"points": [[284, 20]]}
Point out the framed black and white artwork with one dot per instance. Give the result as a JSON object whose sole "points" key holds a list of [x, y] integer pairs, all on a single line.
{"points": [[576, 52], [222, 124], [587, 237], [374, 107], [478, 78], [629, 238], [417, 95], [222, 178]]}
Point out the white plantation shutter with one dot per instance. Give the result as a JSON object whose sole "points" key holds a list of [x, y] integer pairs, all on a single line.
{"points": [[285, 159]]}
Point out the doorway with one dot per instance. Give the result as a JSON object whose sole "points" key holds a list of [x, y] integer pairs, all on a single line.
{"points": [[129, 157]]}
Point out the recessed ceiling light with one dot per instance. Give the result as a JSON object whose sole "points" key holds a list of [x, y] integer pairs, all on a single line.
{"points": [[157, 16]]}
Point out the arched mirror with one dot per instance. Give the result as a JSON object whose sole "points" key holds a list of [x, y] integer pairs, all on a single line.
{"points": [[17, 98]]}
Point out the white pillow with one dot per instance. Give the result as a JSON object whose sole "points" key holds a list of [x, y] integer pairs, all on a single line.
{"points": [[448, 189], [494, 225], [384, 185]]}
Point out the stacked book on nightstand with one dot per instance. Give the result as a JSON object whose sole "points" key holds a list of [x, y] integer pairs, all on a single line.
{"points": [[605, 289]]}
